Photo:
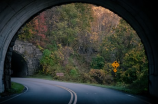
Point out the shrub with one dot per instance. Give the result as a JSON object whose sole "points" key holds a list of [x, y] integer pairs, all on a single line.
{"points": [[86, 78], [97, 62], [98, 75], [73, 72]]}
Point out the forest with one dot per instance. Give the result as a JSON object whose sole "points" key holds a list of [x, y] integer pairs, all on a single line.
{"points": [[82, 41]]}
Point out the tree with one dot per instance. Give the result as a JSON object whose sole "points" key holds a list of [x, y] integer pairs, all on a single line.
{"points": [[136, 64], [116, 45], [97, 62]]}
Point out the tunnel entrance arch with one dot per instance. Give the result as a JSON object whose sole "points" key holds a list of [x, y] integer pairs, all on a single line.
{"points": [[134, 12], [31, 53], [19, 65]]}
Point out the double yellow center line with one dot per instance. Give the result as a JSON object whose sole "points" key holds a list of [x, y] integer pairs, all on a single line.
{"points": [[73, 94]]}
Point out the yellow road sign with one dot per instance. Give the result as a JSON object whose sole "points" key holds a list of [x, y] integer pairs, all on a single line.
{"points": [[115, 64], [115, 70]]}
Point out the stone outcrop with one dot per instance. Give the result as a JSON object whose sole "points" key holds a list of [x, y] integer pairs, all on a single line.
{"points": [[30, 53]]}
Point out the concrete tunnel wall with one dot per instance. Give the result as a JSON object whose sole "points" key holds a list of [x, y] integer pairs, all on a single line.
{"points": [[140, 14], [18, 65]]}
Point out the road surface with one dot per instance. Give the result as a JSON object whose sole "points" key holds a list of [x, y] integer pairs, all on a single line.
{"points": [[40, 91]]}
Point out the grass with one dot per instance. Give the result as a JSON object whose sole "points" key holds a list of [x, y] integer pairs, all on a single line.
{"points": [[120, 88], [16, 88]]}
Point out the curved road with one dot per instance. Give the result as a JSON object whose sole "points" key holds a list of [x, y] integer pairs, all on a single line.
{"points": [[41, 91]]}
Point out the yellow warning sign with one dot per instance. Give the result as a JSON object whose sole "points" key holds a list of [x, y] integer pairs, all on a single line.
{"points": [[115, 70], [115, 64]]}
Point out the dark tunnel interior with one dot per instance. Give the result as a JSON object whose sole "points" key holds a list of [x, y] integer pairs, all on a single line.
{"points": [[18, 65]]}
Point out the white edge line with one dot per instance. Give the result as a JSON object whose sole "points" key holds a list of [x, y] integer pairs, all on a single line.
{"points": [[139, 99], [16, 95]]}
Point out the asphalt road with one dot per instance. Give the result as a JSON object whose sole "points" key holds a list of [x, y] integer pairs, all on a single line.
{"points": [[39, 91]]}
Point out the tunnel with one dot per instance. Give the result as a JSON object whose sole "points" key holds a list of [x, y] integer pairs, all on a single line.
{"points": [[18, 65], [140, 14]]}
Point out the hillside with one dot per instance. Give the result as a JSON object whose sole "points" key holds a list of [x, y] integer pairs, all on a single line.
{"points": [[82, 41]]}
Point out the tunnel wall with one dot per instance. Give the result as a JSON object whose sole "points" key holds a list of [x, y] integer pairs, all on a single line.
{"points": [[140, 14]]}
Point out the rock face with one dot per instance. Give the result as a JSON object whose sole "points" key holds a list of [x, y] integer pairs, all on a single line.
{"points": [[30, 53]]}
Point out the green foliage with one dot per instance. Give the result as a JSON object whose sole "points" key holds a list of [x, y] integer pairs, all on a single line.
{"points": [[137, 74], [107, 67], [125, 47], [141, 82], [67, 28], [46, 60], [116, 45], [73, 72], [97, 62], [27, 32], [50, 59]]}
